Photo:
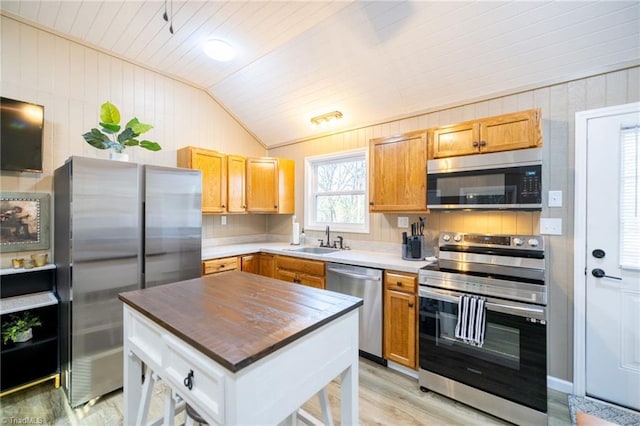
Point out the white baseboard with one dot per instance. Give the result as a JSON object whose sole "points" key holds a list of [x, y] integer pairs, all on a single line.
{"points": [[559, 385]]}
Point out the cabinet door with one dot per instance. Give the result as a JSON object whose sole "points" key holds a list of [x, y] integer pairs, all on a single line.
{"points": [[213, 166], [398, 173], [286, 186], [236, 171], [511, 131], [400, 328], [458, 139], [312, 281], [250, 263], [267, 265], [305, 266], [286, 275], [262, 185]]}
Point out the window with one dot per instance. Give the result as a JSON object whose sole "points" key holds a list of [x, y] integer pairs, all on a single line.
{"points": [[336, 192], [630, 198]]}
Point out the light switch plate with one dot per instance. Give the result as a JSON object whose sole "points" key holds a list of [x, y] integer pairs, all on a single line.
{"points": [[549, 226], [403, 222], [223, 220], [555, 199]]}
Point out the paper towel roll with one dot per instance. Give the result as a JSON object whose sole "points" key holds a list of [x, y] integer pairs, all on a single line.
{"points": [[295, 236]]}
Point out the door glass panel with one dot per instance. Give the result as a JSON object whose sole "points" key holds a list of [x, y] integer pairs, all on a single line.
{"points": [[501, 344], [630, 198]]}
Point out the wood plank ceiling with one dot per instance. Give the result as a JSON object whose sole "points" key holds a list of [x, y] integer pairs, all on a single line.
{"points": [[374, 61]]}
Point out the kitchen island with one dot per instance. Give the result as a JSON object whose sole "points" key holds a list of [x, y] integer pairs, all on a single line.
{"points": [[240, 348]]}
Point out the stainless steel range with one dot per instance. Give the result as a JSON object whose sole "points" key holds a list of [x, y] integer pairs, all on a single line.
{"points": [[507, 374]]}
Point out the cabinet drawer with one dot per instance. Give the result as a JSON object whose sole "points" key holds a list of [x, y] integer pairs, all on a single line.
{"points": [[313, 267], [312, 281], [400, 282], [218, 265], [183, 365]]}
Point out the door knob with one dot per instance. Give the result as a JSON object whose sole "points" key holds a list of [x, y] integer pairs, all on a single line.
{"points": [[598, 253], [599, 273]]}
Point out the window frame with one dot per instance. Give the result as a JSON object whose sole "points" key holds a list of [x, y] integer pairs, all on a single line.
{"points": [[310, 163]]}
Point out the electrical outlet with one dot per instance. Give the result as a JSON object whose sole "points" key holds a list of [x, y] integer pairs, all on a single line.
{"points": [[550, 226], [403, 222], [223, 220], [555, 199]]}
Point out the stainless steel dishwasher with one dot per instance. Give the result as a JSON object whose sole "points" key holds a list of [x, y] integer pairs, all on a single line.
{"points": [[365, 283]]}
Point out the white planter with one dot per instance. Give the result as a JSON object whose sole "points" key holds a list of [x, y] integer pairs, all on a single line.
{"points": [[118, 156], [24, 336]]}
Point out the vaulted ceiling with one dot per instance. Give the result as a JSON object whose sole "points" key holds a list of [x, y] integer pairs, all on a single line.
{"points": [[373, 61]]}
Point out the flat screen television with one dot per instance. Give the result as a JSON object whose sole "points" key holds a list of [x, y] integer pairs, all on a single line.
{"points": [[21, 130]]}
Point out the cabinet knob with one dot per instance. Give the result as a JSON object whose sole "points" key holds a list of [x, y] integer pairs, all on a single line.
{"points": [[475, 144], [224, 207], [411, 304], [483, 143], [370, 203], [399, 283], [275, 207]]}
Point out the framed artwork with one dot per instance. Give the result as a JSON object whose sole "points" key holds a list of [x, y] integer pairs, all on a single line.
{"points": [[24, 221]]}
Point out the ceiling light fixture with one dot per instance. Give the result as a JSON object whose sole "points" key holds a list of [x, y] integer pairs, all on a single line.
{"points": [[323, 119], [218, 50]]}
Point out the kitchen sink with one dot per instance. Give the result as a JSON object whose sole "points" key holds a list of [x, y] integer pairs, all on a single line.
{"points": [[316, 250]]}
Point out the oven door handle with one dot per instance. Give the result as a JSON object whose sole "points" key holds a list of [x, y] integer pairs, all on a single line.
{"points": [[521, 310]]}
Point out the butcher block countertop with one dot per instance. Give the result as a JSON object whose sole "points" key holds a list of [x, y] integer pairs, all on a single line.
{"points": [[237, 318]]}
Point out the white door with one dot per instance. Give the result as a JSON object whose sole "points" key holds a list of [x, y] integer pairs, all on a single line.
{"points": [[613, 259]]}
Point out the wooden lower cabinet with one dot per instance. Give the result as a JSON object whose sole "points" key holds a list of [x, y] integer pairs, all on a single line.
{"points": [[311, 273], [258, 263], [400, 318], [213, 266], [250, 263]]}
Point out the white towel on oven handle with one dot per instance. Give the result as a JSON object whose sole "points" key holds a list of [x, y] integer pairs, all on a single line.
{"points": [[472, 318]]}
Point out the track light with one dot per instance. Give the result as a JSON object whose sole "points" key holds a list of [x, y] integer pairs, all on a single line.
{"points": [[321, 120]]}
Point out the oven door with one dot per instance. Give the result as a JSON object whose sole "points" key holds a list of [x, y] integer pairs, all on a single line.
{"points": [[512, 363]]}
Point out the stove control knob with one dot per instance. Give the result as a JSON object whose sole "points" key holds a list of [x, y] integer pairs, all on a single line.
{"points": [[457, 238], [518, 241], [446, 237], [533, 242]]}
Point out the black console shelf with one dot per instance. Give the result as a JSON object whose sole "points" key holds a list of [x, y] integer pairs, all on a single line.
{"points": [[29, 363]]}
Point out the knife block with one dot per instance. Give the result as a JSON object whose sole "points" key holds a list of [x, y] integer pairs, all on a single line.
{"points": [[414, 249]]}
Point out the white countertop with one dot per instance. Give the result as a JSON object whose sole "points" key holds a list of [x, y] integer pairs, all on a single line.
{"points": [[371, 259]]}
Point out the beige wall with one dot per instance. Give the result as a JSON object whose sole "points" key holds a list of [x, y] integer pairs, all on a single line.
{"points": [[72, 81], [559, 104]]}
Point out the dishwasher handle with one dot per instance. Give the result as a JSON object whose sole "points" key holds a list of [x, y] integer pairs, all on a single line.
{"points": [[354, 275]]}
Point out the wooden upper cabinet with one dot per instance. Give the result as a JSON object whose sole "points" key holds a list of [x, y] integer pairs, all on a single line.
{"points": [[398, 173], [236, 172], [500, 133], [456, 139], [270, 185], [511, 131], [213, 166]]}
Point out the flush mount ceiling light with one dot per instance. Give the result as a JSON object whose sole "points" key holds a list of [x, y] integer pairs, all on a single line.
{"points": [[323, 119], [218, 50]]}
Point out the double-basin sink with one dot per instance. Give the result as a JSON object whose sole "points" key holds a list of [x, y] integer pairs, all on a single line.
{"points": [[315, 250]]}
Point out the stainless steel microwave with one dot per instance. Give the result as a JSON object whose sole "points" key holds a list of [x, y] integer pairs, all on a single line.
{"points": [[500, 180]]}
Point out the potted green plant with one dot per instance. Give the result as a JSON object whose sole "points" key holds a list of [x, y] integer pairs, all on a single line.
{"points": [[19, 327], [110, 135]]}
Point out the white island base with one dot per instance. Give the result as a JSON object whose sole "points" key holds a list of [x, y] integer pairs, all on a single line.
{"points": [[265, 392]]}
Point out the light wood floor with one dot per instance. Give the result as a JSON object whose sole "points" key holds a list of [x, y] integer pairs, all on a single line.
{"points": [[387, 397]]}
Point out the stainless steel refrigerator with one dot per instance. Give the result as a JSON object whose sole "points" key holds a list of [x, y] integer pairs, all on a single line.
{"points": [[119, 226]]}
